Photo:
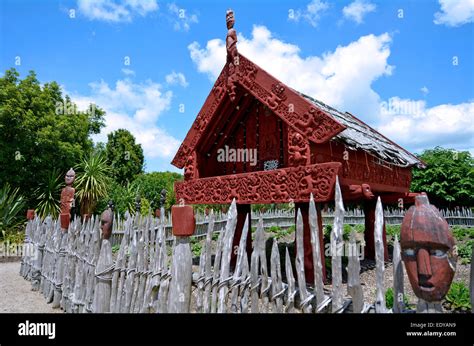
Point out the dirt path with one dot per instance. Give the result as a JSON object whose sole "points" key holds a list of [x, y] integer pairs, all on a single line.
{"points": [[16, 294]]}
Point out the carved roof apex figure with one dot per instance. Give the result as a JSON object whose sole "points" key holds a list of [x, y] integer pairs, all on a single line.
{"points": [[229, 18]]}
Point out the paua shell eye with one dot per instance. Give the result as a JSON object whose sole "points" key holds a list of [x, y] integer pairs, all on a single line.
{"points": [[409, 252], [438, 253]]}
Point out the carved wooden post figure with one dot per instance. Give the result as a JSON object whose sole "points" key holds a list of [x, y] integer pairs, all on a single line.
{"points": [[105, 264], [67, 199], [427, 251], [184, 224]]}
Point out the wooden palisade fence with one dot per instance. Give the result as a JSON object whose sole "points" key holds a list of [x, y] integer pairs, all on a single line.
{"points": [[75, 270], [285, 218]]}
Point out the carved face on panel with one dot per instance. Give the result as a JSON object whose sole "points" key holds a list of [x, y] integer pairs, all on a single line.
{"points": [[70, 177], [427, 250], [298, 140]]}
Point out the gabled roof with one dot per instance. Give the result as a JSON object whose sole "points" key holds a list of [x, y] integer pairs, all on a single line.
{"points": [[316, 121], [292, 108], [359, 135]]}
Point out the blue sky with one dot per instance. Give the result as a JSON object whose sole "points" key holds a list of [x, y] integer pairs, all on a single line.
{"points": [[404, 67]]}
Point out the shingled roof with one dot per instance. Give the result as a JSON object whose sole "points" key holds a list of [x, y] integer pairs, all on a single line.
{"points": [[360, 135]]}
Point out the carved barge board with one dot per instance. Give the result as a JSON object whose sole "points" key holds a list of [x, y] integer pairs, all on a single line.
{"points": [[275, 186], [287, 104]]}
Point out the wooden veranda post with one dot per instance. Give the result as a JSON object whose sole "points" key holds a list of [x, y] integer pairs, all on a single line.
{"points": [[243, 211]]}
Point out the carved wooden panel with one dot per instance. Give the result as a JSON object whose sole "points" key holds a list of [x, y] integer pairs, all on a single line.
{"points": [[276, 186]]}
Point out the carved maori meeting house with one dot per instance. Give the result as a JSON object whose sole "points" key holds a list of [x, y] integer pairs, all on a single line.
{"points": [[301, 145]]}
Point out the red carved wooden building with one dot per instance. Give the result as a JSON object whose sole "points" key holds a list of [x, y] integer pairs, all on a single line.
{"points": [[301, 143]]}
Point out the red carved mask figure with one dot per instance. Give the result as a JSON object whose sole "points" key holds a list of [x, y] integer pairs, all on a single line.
{"points": [[427, 250]]}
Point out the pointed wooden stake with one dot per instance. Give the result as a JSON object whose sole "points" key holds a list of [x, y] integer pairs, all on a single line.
{"points": [[398, 303], [318, 269], [337, 244], [303, 292], [354, 287], [380, 306]]}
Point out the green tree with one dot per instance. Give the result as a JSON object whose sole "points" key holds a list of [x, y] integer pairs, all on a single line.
{"points": [[448, 178], [40, 129], [124, 156], [149, 186], [92, 182], [123, 197]]}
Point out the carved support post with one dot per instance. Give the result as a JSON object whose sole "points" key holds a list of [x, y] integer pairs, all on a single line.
{"points": [[184, 224], [369, 212], [243, 210], [308, 252]]}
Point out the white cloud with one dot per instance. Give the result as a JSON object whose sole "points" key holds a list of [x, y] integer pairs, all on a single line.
{"points": [[176, 78], [357, 10], [135, 107], [424, 90], [455, 12], [311, 14], [180, 17], [116, 10], [341, 78], [416, 126], [128, 72]]}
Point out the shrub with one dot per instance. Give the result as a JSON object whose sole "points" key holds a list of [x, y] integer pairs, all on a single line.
{"points": [[460, 232], [458, 296], [115, 248], [49, 193], [359, 228], [389, 298], [465, 251], [11, 205], [196, 246], [393, 230]]}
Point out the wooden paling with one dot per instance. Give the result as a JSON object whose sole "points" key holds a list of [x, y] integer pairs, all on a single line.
{"points": [[336, 251], [304, 296], [398, 302], [226, 253], [277, 285], [238, 278], [380, 306], [207, 265]]}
